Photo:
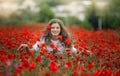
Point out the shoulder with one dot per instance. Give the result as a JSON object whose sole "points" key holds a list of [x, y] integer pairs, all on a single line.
{"points": [[73, 48], [42, 39]]}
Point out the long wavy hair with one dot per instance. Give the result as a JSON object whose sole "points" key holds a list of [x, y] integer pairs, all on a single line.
{"points": [[65, 35]]}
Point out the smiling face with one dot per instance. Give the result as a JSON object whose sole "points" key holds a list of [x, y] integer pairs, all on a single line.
{"points": [[55, 29]]}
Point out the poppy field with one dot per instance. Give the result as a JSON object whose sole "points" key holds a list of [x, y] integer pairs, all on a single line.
{"points": [[98, 53]]}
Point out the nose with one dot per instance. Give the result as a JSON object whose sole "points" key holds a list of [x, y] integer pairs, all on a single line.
{"points": [[55, 28]]}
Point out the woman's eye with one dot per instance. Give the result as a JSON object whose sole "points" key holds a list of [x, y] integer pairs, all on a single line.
{"points": [[57, 27]]}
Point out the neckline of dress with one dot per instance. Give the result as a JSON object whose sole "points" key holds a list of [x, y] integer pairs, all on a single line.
{"points": [[54, 40]]}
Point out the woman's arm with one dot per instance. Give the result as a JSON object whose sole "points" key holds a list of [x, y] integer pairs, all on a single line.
{"points": [[35, 47], [25, 47]]}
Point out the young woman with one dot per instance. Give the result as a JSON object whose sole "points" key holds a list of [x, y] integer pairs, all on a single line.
{"points": [[55, 34]]}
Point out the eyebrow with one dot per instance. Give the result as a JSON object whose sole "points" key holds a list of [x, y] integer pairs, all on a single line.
{"points": [[55, 26]]}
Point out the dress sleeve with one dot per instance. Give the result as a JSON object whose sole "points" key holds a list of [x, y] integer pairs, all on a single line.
{"points": [[35, 46], [73, 49]]}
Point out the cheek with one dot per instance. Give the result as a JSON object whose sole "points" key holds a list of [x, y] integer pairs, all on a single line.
{"points": [[51, 30], [59, 30]]}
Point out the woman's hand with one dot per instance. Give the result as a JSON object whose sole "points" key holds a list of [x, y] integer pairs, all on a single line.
{"points": [[23, 47]]}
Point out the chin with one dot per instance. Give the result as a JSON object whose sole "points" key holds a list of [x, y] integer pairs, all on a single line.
{"points": [[55, 35]]}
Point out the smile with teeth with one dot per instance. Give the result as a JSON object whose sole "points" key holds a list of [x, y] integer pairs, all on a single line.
{"points": [[55, 32]]}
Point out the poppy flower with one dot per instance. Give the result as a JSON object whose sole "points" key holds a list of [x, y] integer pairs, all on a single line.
{"points": [[68, 64], [117, 73], [32, 66], [52, 45], [82, 67], [26, 64], [47, 74], [31, 53], [53, 66], [49, 27], [90, 65], [67, 49], [67, 41], [60, 37], [43, 45], [4, 59], [38, 58], [10, 55]]}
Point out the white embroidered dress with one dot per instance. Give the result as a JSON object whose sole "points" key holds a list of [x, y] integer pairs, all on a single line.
{"points": [[57, 43]]}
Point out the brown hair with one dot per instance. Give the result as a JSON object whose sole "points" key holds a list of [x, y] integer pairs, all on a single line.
{"points": [[65, 35]]}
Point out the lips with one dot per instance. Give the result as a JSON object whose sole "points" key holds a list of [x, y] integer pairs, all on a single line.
{"points": [[55, 32]]}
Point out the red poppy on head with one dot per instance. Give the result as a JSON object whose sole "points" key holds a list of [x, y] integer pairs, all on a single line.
{"points": [[48, 27], [60, 37]]}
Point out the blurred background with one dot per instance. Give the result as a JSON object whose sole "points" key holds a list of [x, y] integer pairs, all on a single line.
{"points": [[97, 14]]}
